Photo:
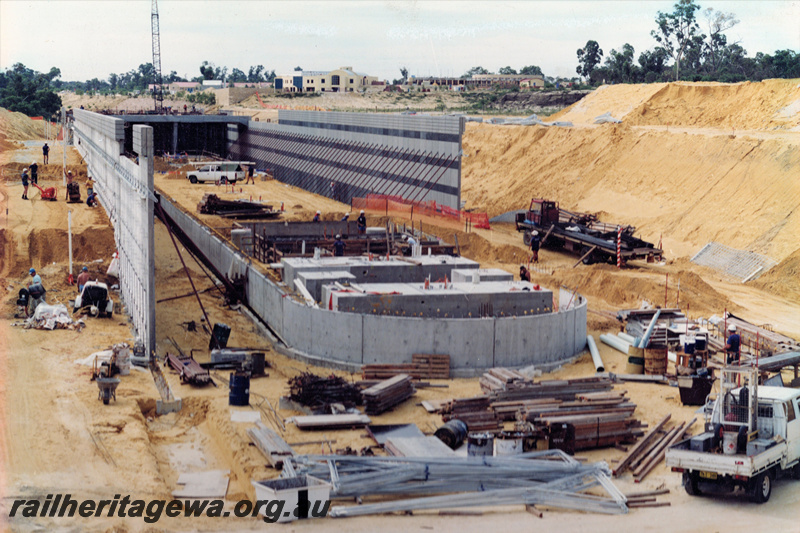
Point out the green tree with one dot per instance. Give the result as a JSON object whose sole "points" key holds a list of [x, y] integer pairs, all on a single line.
{"points": [[404, 74], [718, 22], [26, 91], [507, 71], [588, 58], [237, 76], [652, 64], [620, 67], [531, 70], [473, 71], [208, 71], [677, 30]]}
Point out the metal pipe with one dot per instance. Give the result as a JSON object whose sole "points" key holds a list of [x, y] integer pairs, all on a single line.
{"points": [[615, 342], [69, 233], [598, 363]]}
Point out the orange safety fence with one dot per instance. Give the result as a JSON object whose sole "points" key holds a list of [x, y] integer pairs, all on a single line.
{"points": [[402, 206]]}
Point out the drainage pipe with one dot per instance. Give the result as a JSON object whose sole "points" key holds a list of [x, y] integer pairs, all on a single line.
{"points": [[598, 363], [650, 328], [627, 338], [615, 342]]}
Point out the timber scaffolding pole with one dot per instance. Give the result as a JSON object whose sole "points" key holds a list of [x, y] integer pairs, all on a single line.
{"points": [[379, 171], [372, 181], [282, 159], [335, 163], [296, 173], [366, 152], [340, 177], [409, 182], [445, 167], [277, 146]]}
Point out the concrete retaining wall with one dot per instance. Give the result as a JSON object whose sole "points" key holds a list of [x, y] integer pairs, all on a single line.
{"points": [[125, 191], [344, 155], [347, 340]]}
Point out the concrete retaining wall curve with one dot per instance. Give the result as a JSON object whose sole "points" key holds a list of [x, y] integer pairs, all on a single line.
{"points": [[348, 340]]}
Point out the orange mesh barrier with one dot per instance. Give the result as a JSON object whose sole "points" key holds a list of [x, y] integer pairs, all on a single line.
{"points": [[407, 208]]}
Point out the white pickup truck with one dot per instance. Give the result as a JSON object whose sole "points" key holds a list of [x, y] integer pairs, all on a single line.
{"points": [[222, 172], [752, 435]]}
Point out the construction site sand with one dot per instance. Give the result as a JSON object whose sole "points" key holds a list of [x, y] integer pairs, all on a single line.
{"points": [[61, 438]]}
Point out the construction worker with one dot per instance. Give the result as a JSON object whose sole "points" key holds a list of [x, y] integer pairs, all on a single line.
{"points": [[24, 183], [316, 217], [733, 346], [250, 175], [45, 154], [338, 246], [524, 275], [535, 242], [362, 223], [345, 217], [83, 277], [91, 200], [89, 185], [34, 172], [36, 291]]}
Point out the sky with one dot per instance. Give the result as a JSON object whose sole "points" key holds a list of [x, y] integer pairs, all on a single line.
{"points": [[89, 39]]}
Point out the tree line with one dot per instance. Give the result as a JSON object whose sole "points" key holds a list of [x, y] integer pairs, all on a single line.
{"points": [[687, 48]]}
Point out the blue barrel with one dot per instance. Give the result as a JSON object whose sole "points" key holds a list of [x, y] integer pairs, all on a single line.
{"points": [[240, 389], [480, 445]]}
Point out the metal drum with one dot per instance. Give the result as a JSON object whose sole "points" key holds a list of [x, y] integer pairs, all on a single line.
{"points": [[240, 389], [480, 445]]}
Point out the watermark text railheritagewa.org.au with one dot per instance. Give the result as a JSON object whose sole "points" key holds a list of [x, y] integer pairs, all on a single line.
{"points": [[151, 511]]}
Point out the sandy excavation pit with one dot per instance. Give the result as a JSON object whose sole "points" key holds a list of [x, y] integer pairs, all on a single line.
{"points": [[58, 437]]}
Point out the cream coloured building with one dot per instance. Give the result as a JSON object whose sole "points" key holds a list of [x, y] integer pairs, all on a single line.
{"points": [[343, 79]]}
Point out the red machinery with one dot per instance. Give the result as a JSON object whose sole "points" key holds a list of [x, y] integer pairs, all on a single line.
{"points": [[49, 193]]}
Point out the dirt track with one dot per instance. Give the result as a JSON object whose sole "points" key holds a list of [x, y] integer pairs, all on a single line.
{"points": [[55, 436]]}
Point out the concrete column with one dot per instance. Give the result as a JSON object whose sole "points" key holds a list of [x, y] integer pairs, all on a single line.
{"points": [[175, 138], [146, 178]]}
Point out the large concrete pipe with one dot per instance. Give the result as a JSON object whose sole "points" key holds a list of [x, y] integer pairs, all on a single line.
{"points": [[630, 339], [598, 363], [615, 342]]}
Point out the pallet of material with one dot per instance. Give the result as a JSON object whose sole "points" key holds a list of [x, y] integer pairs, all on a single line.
{"points": [[274, 448], [477, 421], [432, 366], [421, 367], [461, 405], [597, 431], [560, 389], [321, 422], [388, 393], [499, 379]]}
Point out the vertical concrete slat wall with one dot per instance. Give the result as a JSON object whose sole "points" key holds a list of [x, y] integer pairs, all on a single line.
{"points": [[125, 190], [348, 340], [416, 157]]}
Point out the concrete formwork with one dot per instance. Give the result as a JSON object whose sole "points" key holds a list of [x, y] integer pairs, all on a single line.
{"points": [[344, 155], [125, 190], [347, 340]]}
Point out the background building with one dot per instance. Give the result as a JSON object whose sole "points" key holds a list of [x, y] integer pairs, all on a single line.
{"points": [[343, 79]]}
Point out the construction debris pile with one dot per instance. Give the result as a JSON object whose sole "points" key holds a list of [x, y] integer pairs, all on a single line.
{"points": [[550, 478], [319, 392], [650, 450], [586, 412], [214, 205]]}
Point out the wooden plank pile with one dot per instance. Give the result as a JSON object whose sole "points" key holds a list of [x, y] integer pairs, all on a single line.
{"points": [[274, 448], [474, 412], [499, 379], [651, 449], [589, 403], [387, 394], [595, 431], [321, 422], [421, 367]]}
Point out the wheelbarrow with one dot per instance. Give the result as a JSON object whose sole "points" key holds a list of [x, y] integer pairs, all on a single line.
{"points": [[108, 389]]}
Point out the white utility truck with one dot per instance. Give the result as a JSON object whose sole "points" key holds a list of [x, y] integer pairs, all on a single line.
{"points": [[218, 172], [752, 435]]}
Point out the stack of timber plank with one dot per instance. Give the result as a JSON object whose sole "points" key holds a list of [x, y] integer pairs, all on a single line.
{"points": [[591, 403], [387, 394], [421, 367], [274, 448], [562, 389], [596, 431], [651, 449], [474, 412], [499, 379]]}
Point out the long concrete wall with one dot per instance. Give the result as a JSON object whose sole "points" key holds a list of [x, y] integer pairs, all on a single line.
{"points": [[348, 340], [125, 190], [345, 155]]}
